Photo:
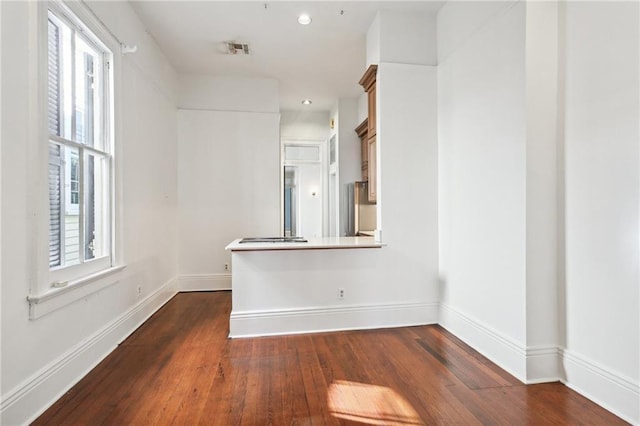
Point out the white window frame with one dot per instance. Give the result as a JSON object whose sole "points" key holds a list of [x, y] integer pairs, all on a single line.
{"points": [[55, 288]]}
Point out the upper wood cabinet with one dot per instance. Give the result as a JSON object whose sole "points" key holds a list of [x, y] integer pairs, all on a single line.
{"points": [[363, 132], [368, 82], [373, 180]]}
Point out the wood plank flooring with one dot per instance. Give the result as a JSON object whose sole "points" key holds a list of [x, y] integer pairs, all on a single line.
{"points": [[180, 368]]}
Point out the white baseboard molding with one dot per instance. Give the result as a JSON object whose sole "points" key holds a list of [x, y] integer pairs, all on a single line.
{"points": [[500, 349], [616, 393], [537, 364], [314, 320], [27, 401], [543, 364], [204, 282]]}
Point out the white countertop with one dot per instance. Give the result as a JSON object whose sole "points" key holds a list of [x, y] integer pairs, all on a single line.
{"points": [[312, 243]]}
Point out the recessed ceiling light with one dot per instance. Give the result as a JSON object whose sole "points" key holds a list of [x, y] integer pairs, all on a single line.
{"points": [[304, 19], [306, 102]]}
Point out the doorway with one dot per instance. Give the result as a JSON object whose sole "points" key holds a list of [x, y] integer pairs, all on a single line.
{"points": [[303, 189]]}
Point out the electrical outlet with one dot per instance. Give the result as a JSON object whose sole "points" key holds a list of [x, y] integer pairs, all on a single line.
{"points": [[226, 267], [139, 289], [341, 293]]}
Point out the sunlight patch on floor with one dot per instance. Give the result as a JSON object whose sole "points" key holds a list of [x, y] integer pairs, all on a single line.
{"points": [[370, 404]]}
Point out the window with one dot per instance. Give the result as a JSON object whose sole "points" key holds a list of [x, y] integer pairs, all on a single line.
{"points": [[80, 147]]}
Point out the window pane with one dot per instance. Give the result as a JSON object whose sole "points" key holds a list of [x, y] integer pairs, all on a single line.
{"points": [[88, 67], [71, 182], [71, 226], [96, 206], [53, 93], [74, 180], [64, 216], [66, 81], [55, 206]]}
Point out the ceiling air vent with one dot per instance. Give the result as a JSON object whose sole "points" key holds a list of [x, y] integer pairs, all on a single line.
{"points": [[237, 48]]}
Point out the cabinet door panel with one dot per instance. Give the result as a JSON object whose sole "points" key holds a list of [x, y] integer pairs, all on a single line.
{"points": [[372, 110], [364, 148], [372, 170]]}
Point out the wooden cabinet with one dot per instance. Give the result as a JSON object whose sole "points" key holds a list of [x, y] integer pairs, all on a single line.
{"points": [[372, 109], [373, 184], [363, 132], [368, 82]]}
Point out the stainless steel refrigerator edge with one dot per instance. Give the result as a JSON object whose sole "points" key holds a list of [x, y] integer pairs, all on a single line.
{"points": [[359, 215]]}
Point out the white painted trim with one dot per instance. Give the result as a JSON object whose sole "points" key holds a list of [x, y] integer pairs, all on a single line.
{"points": [[42, 304], [542, 364], [533, 364], [611, 390], [204, 282], [605, 387], [315, 320], [27, 401], [500, 349]]}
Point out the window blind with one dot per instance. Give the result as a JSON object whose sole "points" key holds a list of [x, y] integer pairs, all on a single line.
{"points": [[55, 205], [54, 79], [55, 158]]}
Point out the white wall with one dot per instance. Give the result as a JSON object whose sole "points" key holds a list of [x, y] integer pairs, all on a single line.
{"points": [[228, 93], [408, 38], [402, 38], [349, 142], [228, 175], [363, 107], [407, 166], [541, 53], [304, 125], [407, 191], [539, 190], [601, 135], [458, 21], [41, 358], [373, 42], [345, 116], [481, 124], [228, 184]]}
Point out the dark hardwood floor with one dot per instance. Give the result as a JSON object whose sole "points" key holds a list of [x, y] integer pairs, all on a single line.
{"points": [[180, 368]]}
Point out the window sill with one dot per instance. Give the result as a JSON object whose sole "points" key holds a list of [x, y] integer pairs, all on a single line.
{"points": [[56, 298]]}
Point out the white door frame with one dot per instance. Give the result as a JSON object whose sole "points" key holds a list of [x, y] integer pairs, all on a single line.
{"points": [[322, 143]]}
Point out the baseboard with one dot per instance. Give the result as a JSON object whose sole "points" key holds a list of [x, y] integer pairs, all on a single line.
{"points": [[27, 401], [616, 393], [313, 320], [537, 364], [204, 282], [543, 365], [500, 349]]}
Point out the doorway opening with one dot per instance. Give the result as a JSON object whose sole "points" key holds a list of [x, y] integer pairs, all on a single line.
{"points": [[303, 189]]}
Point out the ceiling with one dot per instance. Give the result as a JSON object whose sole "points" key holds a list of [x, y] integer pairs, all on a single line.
{"points": [[322, 61]]}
